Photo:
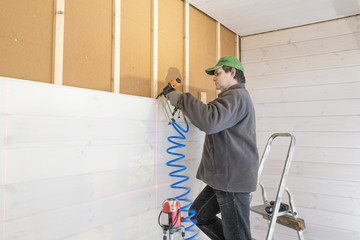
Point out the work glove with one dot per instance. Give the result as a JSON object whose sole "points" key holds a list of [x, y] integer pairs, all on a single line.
{"points": [[173, 97]]}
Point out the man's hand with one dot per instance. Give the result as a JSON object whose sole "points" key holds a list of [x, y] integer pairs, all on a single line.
{"points": [[173, 97]]}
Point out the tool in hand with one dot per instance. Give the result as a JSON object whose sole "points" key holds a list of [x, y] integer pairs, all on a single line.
{"points": [[171, 86], [170, 219]]}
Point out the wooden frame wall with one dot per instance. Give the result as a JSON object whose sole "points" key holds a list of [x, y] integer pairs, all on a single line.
{"points": [[66, 38]]}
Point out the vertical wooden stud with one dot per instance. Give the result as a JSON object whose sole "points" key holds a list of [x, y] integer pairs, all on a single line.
{"points": [[218, 41], [154, 48], [58, 42], [202, 97], [116, 46], [218, 46], [186, 46], [237, 47]]}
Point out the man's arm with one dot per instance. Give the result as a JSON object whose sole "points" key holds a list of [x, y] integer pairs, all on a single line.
{"points": [[222, 113]]}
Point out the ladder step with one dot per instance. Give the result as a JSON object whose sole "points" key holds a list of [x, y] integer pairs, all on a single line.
{"points": [[261, 209], [297, 224]]}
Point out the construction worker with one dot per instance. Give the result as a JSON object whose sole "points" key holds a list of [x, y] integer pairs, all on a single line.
{"points": [[229, 162]]}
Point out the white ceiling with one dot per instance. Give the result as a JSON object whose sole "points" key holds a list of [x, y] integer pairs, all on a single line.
{"points": [[246, 17]]}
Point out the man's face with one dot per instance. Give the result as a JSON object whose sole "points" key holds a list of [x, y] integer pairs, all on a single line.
{"points": [[223, 80]]}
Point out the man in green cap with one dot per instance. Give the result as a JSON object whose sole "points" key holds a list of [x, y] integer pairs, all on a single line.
{"points": [[229, 162]]}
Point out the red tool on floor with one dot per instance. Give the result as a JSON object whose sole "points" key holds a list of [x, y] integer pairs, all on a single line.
{"points": [[170, 219]]}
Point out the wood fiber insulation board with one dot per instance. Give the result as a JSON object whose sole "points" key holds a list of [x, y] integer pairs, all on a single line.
{"points": [[227, 42], [87, 44], [171, 42], [135, 48], [26, 38], [202, 53]]}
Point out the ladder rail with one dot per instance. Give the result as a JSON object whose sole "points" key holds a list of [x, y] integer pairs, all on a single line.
{"points": [[268, 148], [294, 211], [284, 176], [263, 160], [281, 187]]}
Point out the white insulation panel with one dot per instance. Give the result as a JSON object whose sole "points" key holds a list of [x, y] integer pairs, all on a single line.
{"points": [[306, 81], [85, 164]]}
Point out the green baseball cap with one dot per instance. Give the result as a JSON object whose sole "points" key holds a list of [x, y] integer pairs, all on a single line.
{"points": [[229, 61]]}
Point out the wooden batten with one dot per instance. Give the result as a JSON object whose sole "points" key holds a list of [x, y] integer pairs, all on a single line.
{"points": [[154, 48], [186, 46], [218, 41], [218, 46], [116, 46], [58, 42], [237, 47]]}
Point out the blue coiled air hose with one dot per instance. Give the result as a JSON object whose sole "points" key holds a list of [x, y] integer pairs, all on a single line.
{"points": [[183, 178]]}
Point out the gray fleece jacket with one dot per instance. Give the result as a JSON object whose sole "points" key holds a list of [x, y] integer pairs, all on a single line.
{"points": [[230, 156]]}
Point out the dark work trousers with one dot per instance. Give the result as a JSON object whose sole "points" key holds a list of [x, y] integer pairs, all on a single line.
{"points": [[234, 208]]}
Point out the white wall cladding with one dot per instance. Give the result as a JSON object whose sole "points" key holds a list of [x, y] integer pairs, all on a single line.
{"points": [[306, 81], [81, 164]]}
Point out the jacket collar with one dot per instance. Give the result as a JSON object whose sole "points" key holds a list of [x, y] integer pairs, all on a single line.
{"points": [[235, 86], [238, 85]]}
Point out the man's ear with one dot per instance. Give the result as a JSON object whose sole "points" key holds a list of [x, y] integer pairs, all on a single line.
{"points": [[233, 72]]}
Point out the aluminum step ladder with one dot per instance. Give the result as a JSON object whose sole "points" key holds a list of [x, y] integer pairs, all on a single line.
{"points": [[276, 211]]}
